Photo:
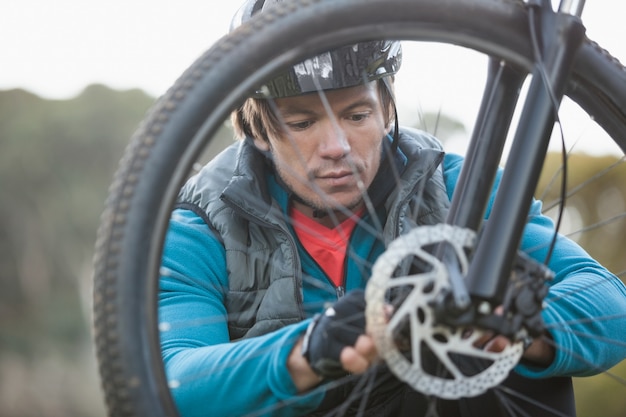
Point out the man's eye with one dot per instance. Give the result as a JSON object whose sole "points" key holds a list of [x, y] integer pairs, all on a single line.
{"points": [[300, 125], [359, 117]]}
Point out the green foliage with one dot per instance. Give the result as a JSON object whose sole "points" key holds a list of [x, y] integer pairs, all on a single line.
{"points": [[602, 395], [57, 159], [56, 162], [597, 201]]}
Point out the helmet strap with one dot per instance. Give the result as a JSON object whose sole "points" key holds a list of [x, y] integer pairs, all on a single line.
{"points": [[396, 126]]}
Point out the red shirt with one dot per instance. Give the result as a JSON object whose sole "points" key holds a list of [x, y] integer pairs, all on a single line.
{"points": [[327, 246]]}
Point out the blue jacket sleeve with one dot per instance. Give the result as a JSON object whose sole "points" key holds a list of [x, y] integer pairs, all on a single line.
{"points": [[204, 368], [584, 309]]}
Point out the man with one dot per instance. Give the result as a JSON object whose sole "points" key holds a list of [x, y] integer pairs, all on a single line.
{"points": [[279, 226]]}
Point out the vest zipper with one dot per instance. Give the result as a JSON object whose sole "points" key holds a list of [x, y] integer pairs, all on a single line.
{"points": [[340, 290]]}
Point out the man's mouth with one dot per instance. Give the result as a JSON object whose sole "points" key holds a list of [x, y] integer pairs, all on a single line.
{"points": [[336, 174], [337, 178]]}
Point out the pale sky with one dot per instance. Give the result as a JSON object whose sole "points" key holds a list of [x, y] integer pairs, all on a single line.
{"points": [[56, 48]]}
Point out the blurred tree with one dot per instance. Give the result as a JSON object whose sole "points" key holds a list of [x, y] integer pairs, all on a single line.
{"points": [[596, 200], [56, 161]]}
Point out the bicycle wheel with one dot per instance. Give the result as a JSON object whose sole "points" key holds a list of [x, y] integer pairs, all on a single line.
{"points": [[176, 133]]}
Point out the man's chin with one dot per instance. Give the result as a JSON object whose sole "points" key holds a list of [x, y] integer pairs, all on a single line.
{"points": [[339, 205]]}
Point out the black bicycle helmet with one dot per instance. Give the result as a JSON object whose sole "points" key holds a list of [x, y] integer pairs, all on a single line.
{"points": [[346, 66]]}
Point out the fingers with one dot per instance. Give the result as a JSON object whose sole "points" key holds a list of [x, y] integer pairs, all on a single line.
{"points": [[358, 358], [540, 352], [497, 344], [491, 342]]}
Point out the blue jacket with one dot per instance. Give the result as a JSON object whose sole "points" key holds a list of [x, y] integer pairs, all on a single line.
{"points": [[207, 371]]}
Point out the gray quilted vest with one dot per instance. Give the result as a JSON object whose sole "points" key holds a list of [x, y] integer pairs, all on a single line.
{"points": [[265, 277]]}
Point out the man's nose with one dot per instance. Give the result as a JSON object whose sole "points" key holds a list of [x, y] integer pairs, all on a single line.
{"points": [[334, 144]]}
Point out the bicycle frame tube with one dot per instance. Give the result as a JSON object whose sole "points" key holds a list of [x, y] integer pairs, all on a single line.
{"points": [[496, 111], [489, 271], [486, 145], [573, 7]]}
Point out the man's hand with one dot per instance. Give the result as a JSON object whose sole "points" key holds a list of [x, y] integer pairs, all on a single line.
{"points": [[540, 352], [334, 345]]}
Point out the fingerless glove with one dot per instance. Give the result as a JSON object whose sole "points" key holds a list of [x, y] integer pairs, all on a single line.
{"points": [[329, 332]]}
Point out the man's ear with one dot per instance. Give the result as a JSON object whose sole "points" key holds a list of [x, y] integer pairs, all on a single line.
{"points": [[262, 144], [388, 125]]}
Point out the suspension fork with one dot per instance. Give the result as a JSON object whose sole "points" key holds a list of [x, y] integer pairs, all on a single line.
{"points": [[559, 36], [502, 89]]}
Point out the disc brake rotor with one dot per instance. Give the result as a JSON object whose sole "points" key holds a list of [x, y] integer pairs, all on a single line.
{"points": [[434, 359]]}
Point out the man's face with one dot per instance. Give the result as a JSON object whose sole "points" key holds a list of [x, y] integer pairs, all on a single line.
{"points": [[329, 153]]}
